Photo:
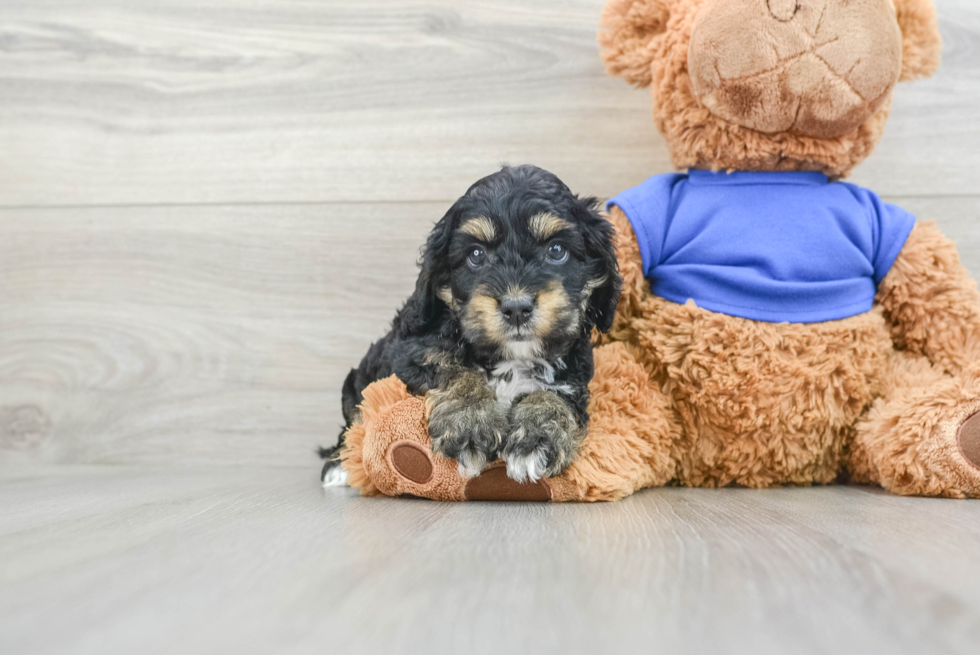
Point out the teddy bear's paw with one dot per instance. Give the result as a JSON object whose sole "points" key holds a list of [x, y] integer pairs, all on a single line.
{"points": [[968, 440], [958, 452], [411, 461], [544, 439]]}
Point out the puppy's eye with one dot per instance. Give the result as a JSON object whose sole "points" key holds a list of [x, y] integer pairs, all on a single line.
{"points": [[476, 258], [557, 253]]}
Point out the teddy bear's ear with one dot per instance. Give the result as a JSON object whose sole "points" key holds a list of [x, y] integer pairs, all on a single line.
{"points": [[627, 32], [921, 42]]}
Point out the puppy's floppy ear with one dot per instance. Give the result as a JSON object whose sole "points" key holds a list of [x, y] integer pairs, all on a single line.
{"points": [[434, 273], [628, 31], [604, 279], [921, 42]]}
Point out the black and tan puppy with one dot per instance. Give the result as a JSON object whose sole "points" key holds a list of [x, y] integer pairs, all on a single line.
{"points": [[496, 335]]}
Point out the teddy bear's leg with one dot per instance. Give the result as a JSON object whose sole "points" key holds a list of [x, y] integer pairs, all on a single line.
{"points": [[632, 433], [388, 451], [922, 437], [931, 301]]}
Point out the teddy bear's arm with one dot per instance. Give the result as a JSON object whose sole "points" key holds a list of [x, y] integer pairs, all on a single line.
{"points": [[635, 286], [931, 301]]}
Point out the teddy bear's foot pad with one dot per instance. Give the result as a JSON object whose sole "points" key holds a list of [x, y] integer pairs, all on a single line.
{"points": [[969, 439], [411, 461], [493, 484]]}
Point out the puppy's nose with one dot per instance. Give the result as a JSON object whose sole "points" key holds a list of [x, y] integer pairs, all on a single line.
{"points": [[517, 311]]}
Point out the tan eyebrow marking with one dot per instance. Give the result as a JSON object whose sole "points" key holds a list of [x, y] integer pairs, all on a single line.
{"points": [[545, 226], [481, 228], [446, 295]]}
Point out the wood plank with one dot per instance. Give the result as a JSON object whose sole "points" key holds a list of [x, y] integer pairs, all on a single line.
{"points": [[957, 216], [223, 560], [152, 101], [220, 333], [212, 334]]}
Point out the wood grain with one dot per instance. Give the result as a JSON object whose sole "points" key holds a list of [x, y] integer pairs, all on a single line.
{"points": [[115, 559], [161, 101], [176, 334]]}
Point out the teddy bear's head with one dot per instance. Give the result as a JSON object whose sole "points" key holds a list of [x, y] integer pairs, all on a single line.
{"points": [[771, 85]]}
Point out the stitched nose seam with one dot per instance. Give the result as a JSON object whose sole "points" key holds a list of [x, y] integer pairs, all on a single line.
{"points": [[783, 10]]}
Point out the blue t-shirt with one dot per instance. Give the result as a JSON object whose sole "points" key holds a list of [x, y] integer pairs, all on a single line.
{"points": [[766, 246]]}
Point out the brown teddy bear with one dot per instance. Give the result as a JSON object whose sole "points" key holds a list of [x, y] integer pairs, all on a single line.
{"points": [[777, 326]]}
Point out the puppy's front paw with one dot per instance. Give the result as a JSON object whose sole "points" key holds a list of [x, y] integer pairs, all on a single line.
{"points": [[470, 434], [466, 424], [544, 439]]}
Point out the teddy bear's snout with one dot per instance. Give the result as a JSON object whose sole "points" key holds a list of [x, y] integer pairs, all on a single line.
{"points": [[817, 68]]}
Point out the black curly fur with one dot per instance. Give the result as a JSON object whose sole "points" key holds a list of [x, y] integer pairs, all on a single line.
{"points": [[439, 338]]}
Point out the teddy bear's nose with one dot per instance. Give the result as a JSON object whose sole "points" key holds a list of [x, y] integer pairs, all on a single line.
{"points": [[783, 10]]}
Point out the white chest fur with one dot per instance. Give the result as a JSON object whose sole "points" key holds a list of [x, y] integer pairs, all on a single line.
{"points": [[516, 377]]}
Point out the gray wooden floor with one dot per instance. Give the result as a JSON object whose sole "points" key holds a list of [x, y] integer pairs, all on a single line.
{"points": [[208, 211], [221, 560]]}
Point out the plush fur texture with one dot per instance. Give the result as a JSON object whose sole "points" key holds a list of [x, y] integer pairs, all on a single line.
{"points": [[683, 395], [921, 43], [931, 303]]}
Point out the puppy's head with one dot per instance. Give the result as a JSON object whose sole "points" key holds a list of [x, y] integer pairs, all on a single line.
{"points": [[524, 265]]}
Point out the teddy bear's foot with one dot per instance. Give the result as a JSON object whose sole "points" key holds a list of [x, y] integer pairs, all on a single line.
{"points": [[389, 452], [968, 440], [411, 461], [398, 455], [925, 438], [415, 464]]}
